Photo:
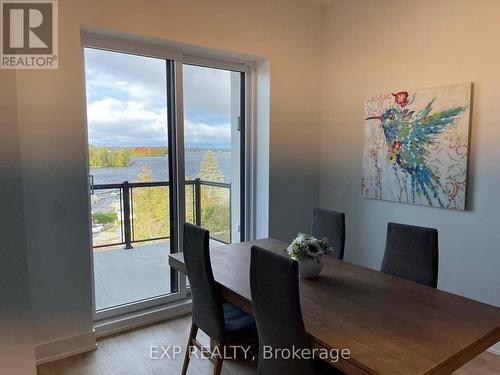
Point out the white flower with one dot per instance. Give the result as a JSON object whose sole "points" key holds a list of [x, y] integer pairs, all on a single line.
{"points": [[307, 246]]}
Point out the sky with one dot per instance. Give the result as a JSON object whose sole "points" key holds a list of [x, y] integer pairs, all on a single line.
{"points": [[127, 102]]}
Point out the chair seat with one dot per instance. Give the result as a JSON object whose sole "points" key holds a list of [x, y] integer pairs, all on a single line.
{"points": [[236, 319]]}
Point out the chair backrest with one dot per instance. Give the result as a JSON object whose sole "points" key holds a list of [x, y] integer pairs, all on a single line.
{"points": [[412, 253], [330, 224], [276, 305], [208, 313]]}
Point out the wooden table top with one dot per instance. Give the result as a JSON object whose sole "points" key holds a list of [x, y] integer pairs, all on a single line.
{"points": [[390, 325]]}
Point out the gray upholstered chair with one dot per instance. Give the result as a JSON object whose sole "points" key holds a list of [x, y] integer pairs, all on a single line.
{"points": [[330, 224], [411, 252], [274, 284], [224, 323]]}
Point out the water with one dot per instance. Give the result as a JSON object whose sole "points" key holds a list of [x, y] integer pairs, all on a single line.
{"points": [[159, 168]]}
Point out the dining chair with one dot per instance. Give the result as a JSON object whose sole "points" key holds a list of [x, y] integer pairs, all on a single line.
{"points": [[330, 224], [274, 285], [411, 252], [223, 322]]}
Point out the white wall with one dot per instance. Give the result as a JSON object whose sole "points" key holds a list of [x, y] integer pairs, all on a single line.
{"points": [[379, 46], [53, 132], [16, 339]]}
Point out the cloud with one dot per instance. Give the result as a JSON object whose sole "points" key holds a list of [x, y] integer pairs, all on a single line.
{"points": [[126, 102], [131, 123], [197, 134], [126, 123], [207, 93], [104, 68]]}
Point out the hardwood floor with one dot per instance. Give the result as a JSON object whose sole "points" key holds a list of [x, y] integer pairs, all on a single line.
{"points": [[486, 363], [129, 354]]}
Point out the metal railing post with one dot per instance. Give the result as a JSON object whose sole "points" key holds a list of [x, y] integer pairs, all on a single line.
{"points": [[197, 197], [126, 216]]}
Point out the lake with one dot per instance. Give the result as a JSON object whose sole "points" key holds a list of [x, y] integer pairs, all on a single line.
{"points": [[159, 167]]}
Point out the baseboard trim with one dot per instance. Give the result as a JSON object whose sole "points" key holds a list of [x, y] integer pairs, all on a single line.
{"points": [[130, 321], [495, 349], [65, 347]]}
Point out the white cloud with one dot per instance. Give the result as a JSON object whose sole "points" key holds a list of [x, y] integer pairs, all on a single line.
{"points": [[111, 110], [198, 133], [207, 91], [127, 102], [118, 122], [105, 68], [131, 123]]}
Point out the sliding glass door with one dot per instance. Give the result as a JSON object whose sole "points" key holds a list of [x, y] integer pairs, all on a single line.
{"points": [[136, 159]]}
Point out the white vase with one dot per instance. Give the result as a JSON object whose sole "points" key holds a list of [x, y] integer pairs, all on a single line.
{"points": [[309, 268]]}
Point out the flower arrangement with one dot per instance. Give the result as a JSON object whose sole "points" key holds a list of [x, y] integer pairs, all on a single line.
{"points": [[305, 246]]}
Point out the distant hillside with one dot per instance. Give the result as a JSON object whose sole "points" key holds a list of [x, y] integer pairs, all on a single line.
{"points": [[149, 151], [109, 156], [104, 156]]}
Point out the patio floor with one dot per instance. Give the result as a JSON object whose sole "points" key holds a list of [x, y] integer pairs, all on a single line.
{"points": [[127, 275]]}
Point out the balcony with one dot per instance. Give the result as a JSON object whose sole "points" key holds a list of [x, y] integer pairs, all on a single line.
{"points": [[131, 224]]}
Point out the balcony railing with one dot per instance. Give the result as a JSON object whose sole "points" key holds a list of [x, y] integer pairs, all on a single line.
{"points": [[131, 212]]}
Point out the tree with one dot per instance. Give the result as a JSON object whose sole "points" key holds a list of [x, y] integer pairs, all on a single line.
{"points": [[151, 209], [209, 168], [109, 156], [214, 200]]}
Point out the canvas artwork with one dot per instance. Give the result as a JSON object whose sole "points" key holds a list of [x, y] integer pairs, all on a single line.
{"points": [[416, 146]]}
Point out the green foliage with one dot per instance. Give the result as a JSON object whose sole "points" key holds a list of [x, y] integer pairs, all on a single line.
{"points": [[215, 212], [209, 168], [151, 204], [190, 206], [149, 151], [121, 156], [109, 156], [105, 217], [151, 209], [215, 204]]}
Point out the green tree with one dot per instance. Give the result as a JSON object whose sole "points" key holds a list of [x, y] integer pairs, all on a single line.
{"points": [[151, 204], [209, 168], [109, 156], [215, 204], [151, 209], [190, 203]]}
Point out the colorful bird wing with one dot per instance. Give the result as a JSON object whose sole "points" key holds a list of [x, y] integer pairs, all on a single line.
{"points": [[429, 126], [416, 136]]}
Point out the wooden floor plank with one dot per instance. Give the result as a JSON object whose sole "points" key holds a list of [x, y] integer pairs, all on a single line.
{"points": [[129, 354]]}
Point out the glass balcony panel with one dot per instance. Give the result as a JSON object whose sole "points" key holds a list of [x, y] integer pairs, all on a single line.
{"points": [[150, 213], [107, 217], [216, 211]]}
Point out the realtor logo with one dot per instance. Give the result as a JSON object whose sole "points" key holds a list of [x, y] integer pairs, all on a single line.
{"points": [[28, 34]]}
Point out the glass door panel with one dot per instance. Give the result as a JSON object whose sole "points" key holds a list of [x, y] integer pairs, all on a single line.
{"points": [[131, 197], [213, 132]]}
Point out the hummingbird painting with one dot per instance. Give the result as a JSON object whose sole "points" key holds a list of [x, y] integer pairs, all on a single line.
{"points": [[410, 133]]}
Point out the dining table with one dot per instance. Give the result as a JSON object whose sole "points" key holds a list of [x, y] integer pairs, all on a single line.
{"points": [[389, 325]]}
